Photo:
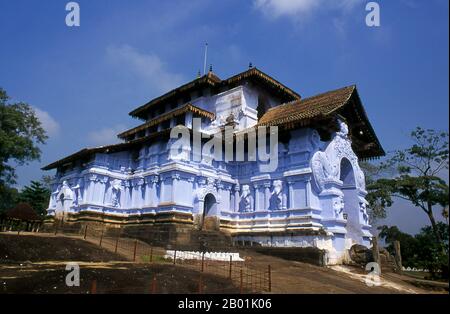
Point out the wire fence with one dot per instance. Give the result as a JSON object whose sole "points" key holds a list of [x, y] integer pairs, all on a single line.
{"points": [[245, 276]]}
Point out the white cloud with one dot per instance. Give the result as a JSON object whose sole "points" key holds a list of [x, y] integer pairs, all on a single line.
{"points": [[147, 67], [298, 9], [276, 8], [48, 123], [106, 135]]}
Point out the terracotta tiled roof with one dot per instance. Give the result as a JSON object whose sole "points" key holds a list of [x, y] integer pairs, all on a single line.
{"points": [[254, 73], [167, 116], [298, 110], [105, 149], [213, 81], [209, 79], [324, 107]]}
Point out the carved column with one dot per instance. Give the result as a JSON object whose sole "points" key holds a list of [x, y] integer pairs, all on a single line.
{"points": [[267, 195], [175, 179], [138, 198], [127, 199], [90, 188], [257, 202], [154, 195], [291, 194], [308, 193]]}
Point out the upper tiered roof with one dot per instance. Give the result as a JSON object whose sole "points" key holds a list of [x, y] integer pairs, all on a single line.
{"points": [[212, 81], [318, 112], [324, 107]]}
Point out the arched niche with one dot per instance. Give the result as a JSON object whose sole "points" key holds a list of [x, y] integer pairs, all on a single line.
{"points": [[351, 200]]}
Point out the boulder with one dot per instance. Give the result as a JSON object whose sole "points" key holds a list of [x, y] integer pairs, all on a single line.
{"points": [[360, 254]]}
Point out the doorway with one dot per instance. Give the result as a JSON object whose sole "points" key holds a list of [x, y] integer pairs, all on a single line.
{"points": [[351, 201], [209, 219]]}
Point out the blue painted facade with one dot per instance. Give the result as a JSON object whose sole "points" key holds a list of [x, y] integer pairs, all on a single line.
{"points": [[316, 196]]}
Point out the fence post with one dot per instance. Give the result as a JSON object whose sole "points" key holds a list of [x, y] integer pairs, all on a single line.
{"points": [[175, 257], [101, 238], [56, 228], [151, 254], [200, 285], [270, 278], [135, 249], [85, 232], [154, 284], [241, 282], [94, 286], [231, 265], [203, 261]]}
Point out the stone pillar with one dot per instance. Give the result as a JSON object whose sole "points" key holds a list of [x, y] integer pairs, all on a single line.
{"points": [[398, 256], [236, 197], [175, 179], [291, 194], [140, 185], [308, 193], [154, 195], [375, 250], [90, 188], [257, 203], [127, 198], [267, 195]]}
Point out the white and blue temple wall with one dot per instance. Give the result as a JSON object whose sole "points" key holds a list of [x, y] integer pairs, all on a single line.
{"points": [[314, 198]]}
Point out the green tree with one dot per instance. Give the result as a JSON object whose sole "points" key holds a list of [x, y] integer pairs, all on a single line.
{"points": [[8, 199], [37, 195], [417, 176], [421, 250], [430, 255], [408, 244], [20, 134]]}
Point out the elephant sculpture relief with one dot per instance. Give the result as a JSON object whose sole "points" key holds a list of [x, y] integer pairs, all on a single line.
{"points": [[246, 204], [276, 198]]}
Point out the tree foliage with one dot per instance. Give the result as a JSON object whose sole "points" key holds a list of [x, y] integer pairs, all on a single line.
{"points": [[37, 196], [417, 176], [20, 134], [8, 199], [421, 250]]}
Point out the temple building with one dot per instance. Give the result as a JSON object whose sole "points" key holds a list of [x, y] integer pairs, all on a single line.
{"points": [[314, 198]]}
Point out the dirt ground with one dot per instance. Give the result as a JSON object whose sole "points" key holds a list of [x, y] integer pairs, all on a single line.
{"points": [[37, 249], [36, 264], [298, 277]]}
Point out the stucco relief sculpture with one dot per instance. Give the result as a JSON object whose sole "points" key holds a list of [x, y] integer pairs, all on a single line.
{"points": [[116, 188], [143, 180], [326, 164], [246, 204], [276, 199], [65, 196], [323, 168], [343, 149], [338, 207], [363, 210], [77, 192]]}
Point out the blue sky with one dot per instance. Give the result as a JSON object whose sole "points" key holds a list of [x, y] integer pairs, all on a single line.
{"points": [[83, 81]]}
